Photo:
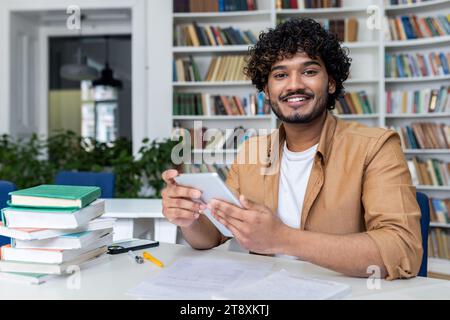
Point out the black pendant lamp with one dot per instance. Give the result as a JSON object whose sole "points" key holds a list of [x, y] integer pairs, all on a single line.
{"points": [[79, 70], [107, 77]]}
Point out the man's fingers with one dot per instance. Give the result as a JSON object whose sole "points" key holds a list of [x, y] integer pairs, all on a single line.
{"points": [[173, 214], [231, 224], [168, 176], [183, 192], [227, 209], [184, 204]]}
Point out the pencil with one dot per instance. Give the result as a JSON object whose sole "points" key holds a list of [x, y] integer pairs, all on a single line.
{"points": [[151, 258]]}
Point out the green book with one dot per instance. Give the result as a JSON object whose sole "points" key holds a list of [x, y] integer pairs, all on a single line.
{"points": [[55, 196]]}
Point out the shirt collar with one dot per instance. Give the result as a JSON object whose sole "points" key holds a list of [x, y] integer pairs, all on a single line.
{"points": [[325, 140]]}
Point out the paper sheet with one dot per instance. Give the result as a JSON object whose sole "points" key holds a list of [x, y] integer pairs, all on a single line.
{"points": [[286, 286], [199, 278]]}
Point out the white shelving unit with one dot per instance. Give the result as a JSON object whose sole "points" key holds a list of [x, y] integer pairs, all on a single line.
{"points": [[367, 71], [428, 8]]}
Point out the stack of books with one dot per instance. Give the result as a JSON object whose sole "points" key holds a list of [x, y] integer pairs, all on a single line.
{"points": [[53, 228]]}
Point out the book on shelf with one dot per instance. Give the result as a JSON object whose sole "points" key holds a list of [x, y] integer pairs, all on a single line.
{"points": [[39, 233], [439, 243], [307, 4], [424, 135], [414, 27], [214, 5], [55, 196], [52, 268], [353, 103], [47, 255], [408, 2], [195, 35], [221, 69], [439, 210], [346, 30], [204, 104], [215, 139], [429, 172], [427, 100], [51, 218], [78, 240], [406, 65]]}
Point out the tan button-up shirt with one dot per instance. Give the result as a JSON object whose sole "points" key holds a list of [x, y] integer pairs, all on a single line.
{"points": [[359, 182]]}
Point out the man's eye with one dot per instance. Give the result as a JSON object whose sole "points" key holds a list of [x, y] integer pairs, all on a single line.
{"points": [[310, 72], [279, 75]]}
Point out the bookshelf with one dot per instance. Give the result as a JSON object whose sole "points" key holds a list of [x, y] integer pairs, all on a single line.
{"points": [[439, 43], [367, 71]]}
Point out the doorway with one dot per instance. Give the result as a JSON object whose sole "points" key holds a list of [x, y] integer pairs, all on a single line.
{"points": [[81, 97]]}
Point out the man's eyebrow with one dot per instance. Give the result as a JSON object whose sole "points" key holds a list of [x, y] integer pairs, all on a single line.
{"points": [[311, 62], [305, 64]]}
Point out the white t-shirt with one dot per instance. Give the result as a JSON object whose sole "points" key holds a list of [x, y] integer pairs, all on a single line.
{"points": [[294, 175]]}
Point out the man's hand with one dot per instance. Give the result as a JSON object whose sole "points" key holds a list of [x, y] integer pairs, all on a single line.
{"points": [[178, 207], [255, 227]]}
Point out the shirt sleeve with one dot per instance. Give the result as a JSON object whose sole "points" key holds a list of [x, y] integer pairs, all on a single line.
{"points": [[392, 214]]}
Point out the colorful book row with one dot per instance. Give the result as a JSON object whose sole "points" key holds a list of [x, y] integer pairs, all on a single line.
{"points": [[419, 101], [413, 27], [213, 5], [407, 65], [204, 104], [195, 35], [425, 135]]}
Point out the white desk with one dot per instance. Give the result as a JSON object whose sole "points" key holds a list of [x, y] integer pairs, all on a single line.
{"points": [[114, 277], [136, 217]]}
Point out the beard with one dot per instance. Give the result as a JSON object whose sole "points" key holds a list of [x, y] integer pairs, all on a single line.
{"points": [[317, 111]]}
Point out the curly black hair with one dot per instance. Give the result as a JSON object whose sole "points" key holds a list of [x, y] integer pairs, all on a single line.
{"points": [[293, 36]]}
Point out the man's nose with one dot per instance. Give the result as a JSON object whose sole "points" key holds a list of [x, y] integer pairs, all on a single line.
{"points": [[295, 82]]}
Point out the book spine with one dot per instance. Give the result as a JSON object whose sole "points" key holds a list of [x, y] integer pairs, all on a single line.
{"points": [[90, 197]]}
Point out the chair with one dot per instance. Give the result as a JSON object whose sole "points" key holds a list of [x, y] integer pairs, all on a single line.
{"points": [[104, 180], [424, 205], [5, 188]]}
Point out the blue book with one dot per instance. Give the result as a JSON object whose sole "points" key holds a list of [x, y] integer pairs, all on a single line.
{"points": [[221, 5], [444, 62], [411, 138], [400, 70]]}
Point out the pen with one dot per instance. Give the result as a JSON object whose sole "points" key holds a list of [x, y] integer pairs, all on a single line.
{"points": [[151, 258], [136, 258]]}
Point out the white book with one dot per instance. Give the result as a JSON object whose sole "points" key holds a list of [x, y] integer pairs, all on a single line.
{"points": [[22, 277], [412, 170], [51, 255], [18, 217], [38, 233], [70, 241], [30, 267]]}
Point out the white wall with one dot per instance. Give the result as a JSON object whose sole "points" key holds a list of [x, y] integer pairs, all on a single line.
{"points": [[159, 59]]}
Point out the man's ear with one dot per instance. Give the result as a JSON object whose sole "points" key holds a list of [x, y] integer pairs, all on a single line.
{"points": [[331, 86], [266, 91]]}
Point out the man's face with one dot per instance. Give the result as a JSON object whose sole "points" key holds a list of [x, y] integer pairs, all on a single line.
{"points": [[298, 88]]}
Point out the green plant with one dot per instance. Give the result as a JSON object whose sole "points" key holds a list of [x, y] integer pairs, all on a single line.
{"points": [[35, 161]]}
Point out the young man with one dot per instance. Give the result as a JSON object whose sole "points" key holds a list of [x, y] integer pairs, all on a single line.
{"points": [[334, 193]]}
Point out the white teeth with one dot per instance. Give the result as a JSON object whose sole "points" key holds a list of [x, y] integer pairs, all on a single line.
{"points": [[296, 99]]}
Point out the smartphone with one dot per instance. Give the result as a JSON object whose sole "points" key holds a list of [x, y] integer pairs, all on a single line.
{"points": [[211, 186], [131, 244]]}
